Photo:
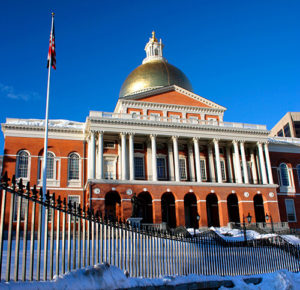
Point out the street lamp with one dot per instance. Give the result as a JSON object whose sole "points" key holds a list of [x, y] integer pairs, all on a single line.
{"points": [[198, 218], [271, 220], [249, 217]]}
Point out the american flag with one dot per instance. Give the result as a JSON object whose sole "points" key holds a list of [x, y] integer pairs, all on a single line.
{"points": [[51, 52]]}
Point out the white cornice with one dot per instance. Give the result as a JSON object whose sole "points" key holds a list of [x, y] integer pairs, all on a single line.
{"points": [[172, 88]]}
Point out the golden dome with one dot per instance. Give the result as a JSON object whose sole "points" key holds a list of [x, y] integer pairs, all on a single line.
{"points": [[154, 74]]}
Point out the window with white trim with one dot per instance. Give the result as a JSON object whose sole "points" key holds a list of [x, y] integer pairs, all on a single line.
{"points": [[22, 164], [298, 173], [223, 169], [182, 168], [109, 167], [284, 175], [290, 210], [73, 166], [76, 199], [50, 165], [139, 167], [203, 169], [161, 168], [53, 175]]}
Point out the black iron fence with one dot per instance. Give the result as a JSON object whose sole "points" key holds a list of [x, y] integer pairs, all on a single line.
{"points": [[76, 237]]}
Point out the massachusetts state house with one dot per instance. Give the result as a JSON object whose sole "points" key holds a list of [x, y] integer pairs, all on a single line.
{"points": [[168, 146]]}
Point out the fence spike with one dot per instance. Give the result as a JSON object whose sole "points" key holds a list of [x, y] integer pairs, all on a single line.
{"points": [[34, 192], [4, 179], [79, 210], [20, 185], [28, 188], [58, 202], [47, 198], [65, 204], [70, 206], [13, 183]]}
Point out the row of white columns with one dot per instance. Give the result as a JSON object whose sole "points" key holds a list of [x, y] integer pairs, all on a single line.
{"points": [[237, 174]]}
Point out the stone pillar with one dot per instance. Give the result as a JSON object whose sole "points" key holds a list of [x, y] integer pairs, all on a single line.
{"points": [[229, 166], [269, 168], [245, 169], [218, 162], [123, 156], [131, 157], [100, 156], [153, 157], [237, 164], [91, 157], [191, 162], [211, 164], [171, 162], [253, 166], [176, 158], [262, 163], [197, 159]]}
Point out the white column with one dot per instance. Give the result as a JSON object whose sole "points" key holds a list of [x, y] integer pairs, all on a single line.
{"points": [[262, 163], [123, 156], [100, 156], [170, 161], [154, 163], [211, 163], [176, 158], [269, 168], [191, 161], [245, 169], [229, 166], [253, 166], [131, 156], [91, 158], [237, 163], [197, 159], [218, 162]]}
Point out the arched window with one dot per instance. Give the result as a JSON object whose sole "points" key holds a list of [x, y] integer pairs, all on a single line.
{"points": [[22, 164], [73, 166], [50, 165], [284, 174]]}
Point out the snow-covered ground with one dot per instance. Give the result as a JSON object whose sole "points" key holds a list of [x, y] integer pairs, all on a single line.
{"points": [[236, 235], [110, 277]]}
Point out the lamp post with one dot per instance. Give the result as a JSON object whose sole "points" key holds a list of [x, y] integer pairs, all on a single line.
{"points": [[198, 218], [249, 217], [271, 220]]}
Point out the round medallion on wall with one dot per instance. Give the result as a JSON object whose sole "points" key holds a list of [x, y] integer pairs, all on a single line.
{"points": [[271, 194], [246, 194], [97, 190], [129, 191]]}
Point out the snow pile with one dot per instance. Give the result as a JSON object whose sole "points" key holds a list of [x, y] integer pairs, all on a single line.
{"points": [[110, 277], [40, 123]]}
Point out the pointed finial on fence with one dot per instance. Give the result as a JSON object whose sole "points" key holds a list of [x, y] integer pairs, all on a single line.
{"points": [[41, 194], [4, 179], [28, 188], [58, 202], [65, 204], [34, 192], [20, 185], [13, 183], [47, 198], [70, 206], [79, 209]]}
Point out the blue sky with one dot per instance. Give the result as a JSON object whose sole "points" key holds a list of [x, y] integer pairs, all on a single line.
{"points": [[244, 55]]}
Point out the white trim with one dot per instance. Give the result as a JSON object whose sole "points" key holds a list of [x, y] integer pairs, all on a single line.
{"points": [[125, 199], [24, 179], [154, 200], [219, 201], [288, 194], [97, 198], [179, 200], [268, 201], [201, 200], [74, 182], [294, 221], [242, 201]]}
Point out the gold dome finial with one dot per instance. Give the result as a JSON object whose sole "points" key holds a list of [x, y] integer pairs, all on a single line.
{"points": [[153, 36]]}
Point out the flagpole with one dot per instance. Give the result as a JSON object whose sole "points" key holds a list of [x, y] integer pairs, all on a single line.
{"points": [[44, 172]]}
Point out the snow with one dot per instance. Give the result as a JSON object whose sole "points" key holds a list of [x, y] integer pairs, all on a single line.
{"points": [[104, 276], [52, 123]]}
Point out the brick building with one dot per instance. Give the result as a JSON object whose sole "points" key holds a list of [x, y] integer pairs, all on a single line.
{"points": [[164, 143]]}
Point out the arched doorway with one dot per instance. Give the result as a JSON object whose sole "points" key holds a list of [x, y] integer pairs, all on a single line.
{"points": [[233, 208], [212, 210], [259, 208], [112, 205], [190, 211], [168, 209], [145, 207]]}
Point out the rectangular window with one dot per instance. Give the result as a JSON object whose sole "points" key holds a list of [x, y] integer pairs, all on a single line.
{"points": [[109, 169], [182, 169], [139, 146], [223, 170], [23, 206], [287, 130], [139, 168], [280, 133], [203, 169], [193, 119], [109, 145], [76, 199], [297, 129], [50, 167], [161, 168], [290, 210]]}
